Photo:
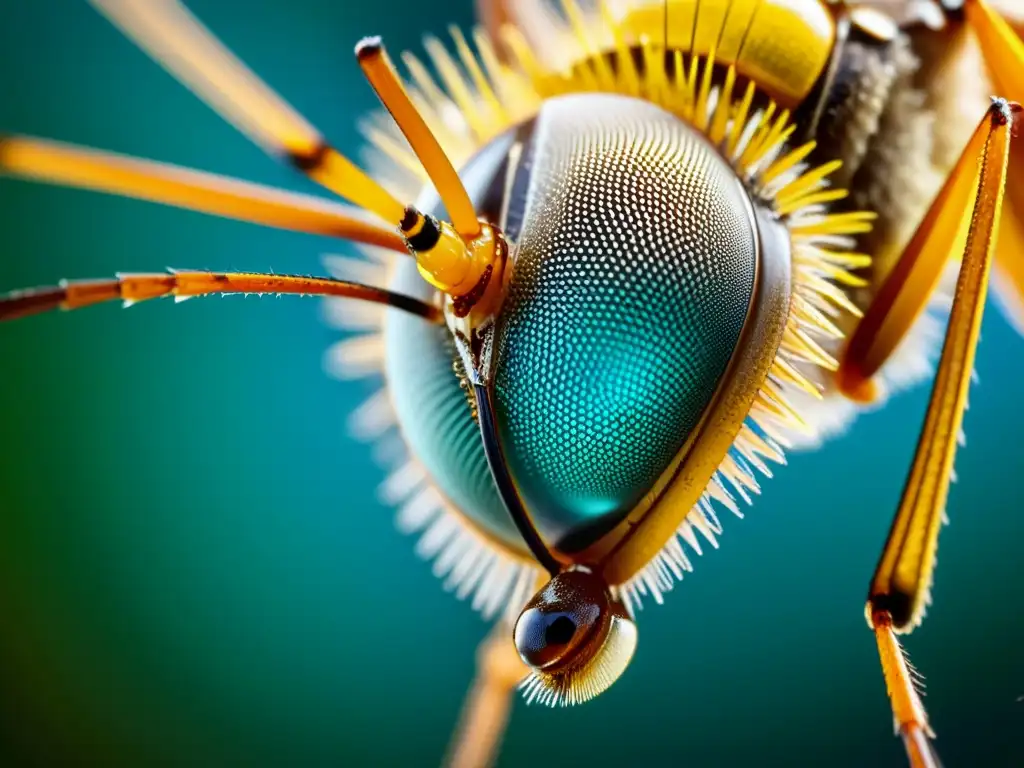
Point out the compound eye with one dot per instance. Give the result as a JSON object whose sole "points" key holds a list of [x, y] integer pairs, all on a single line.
{"points": [[633, 277]]}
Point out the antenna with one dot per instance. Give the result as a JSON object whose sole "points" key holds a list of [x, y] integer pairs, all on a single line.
{"points": [[453, 257], [458, 258]]}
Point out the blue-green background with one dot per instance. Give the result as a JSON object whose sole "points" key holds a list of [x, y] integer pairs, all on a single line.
{"points": [[193, 566]]}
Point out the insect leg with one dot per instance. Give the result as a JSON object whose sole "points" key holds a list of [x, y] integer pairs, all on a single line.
{"points": [[131, 288], [1000, 45], [899, 590], [943, 234], [184, 47], [1003, 50], [485, 713], [58, 163], [1008, 270]]}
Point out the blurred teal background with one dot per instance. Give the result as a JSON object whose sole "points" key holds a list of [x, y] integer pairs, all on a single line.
{"points": [[194, 569]]}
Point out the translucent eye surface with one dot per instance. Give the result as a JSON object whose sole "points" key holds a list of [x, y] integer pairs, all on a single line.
{"points": [[433, 415], [634, 270], [575, 638], [560, 619]]}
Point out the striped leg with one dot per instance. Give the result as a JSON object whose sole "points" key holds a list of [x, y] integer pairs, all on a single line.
{"points": [[133, 288], [902, 580]]}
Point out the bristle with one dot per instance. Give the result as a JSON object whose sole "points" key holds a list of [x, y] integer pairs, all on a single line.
{"points": [[771, 144], [653, 85], [395, 150], [429, 89], [628, 79], [468, 564], [583, 683], [545, 31], [359, 270], [523, 54], [757, 148], [718, 492], [497, 581], [603, 79], [740, 120], [720, 119], [755, 132], [680, 100], [373, 418], [788, 374], [700, 110], [691, 86], [422, 505], [493, 108], [357, 316], [787, 162], [793, 193], [457, 87], [400, 484], [356, 357]]}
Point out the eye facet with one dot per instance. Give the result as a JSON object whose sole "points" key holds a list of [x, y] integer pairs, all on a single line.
{"points": [[635, 255]]}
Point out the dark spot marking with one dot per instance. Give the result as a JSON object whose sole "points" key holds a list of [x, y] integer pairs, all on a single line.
{"points": [[369, 47], [427, 237], [899, 605], [409, 219], [464, 303], [30, 302], [560, 631], [310, 161]]}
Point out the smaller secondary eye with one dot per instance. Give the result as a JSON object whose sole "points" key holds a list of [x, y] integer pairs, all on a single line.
{"points": [[575, 637], [543, 638], [560, 619], [560, 631]]}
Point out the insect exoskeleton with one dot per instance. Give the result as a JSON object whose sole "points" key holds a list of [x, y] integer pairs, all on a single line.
{"points": [[676, 285]]}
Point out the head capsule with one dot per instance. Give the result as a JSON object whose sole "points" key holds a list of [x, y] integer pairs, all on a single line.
{"points": [[633, 255], [634, 258]]}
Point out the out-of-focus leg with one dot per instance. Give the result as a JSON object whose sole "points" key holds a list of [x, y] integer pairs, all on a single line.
{"points": [[485, 713]]}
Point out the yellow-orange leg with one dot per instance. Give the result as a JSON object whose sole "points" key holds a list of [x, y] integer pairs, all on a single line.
{"points": [[908, 711], [907, 289], [1000, 40], [971, 201], [172, 36], [58, 163], [133, 288], [485, 713]]}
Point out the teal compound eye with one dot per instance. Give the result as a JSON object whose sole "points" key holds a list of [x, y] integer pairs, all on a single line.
{"points": [[635, 254]]}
